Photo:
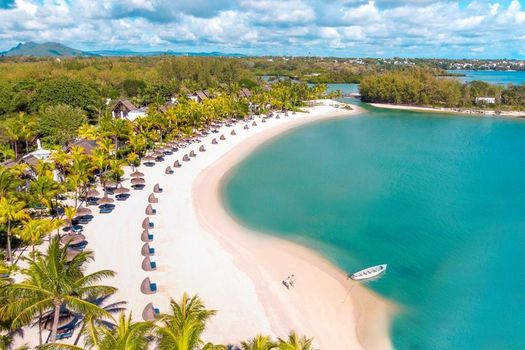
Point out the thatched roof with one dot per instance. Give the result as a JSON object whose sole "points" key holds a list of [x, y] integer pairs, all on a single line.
{"points": [[152, 198], [83, 211], [149, 210], [157, 188], [125, 103], [145, 286], [145, 236], [87, 145], [149, 313], [30, 160]]}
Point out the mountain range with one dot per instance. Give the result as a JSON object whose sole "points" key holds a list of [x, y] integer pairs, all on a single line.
{"points": [[52, 49]]}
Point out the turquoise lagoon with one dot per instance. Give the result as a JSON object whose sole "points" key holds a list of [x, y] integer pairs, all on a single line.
{"points": [[441, 199], [493, 77]]}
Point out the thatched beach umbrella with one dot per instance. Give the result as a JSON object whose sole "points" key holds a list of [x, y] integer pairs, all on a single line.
{"points": [[71, 253], [121, 190], [149, 313], [83, 211], [92, 193], [152, 198], [176, 164], [277, 116], [146, 250], [146, 224], [105, 200], [65, 318], [138, 181], [263, 120], [192, 154], [254, 123], [147, 287], [72, 239], [214, 141], [246, 127], [110, 184], [168, 170], [136, 174], [222, 138], [148, 265], [157, 189], [146, 236], [148, 159], [186, 158], [233, 133], [158, 155], [150, 210], [202, 149]]}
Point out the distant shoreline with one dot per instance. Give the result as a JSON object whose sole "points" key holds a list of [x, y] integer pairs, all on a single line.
{"points": [[465, 111]]}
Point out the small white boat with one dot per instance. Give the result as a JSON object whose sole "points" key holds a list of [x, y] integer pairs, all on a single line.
{"points": [[369, 273]]}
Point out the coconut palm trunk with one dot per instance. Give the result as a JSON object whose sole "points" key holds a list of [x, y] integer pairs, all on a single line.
{"points": [[54, 327], [9, 252]]}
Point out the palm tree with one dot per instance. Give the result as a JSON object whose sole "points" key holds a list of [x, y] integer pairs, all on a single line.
{"points": [[259, 342], [12, 131], [89, 323], [8, 182], [6, 153], [45, 189], [52, 282], [33, 230], [182, 327], [11, 210], [295, 342], [70, 213], [127, 335]]}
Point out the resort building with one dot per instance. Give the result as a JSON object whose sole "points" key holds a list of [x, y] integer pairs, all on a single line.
{"points": [[199, 96], [485, 100], [126, 109], [122, 109], [88, 146], [137, 113]]}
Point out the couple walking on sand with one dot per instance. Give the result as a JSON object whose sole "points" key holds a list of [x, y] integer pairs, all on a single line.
{"points": [[289, 281]]}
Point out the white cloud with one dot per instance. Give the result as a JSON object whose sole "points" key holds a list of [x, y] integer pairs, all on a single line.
{"points": [[394, 27]]}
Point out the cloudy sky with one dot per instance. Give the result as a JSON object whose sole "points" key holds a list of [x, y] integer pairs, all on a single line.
{"points": [[386, 28]]}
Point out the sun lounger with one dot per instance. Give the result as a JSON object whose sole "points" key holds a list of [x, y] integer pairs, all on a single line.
{"points": [[64, 334]]}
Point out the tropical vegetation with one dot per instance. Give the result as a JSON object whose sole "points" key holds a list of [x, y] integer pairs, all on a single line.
{"points": [[425, 88]]}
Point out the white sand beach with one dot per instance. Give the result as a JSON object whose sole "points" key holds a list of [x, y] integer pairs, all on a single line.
{"points": [[476, 112], [201, 250]]}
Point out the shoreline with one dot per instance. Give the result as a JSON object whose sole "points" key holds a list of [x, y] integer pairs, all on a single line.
{"points": [[367, 308], [474, 112], [200, 249]]}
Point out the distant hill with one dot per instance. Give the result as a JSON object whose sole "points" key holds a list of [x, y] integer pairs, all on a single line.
{"points": [[126, 52], [58, 50], [45, 50]]}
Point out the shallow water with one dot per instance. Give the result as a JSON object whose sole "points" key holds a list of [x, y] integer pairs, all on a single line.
{"points": [[493, 77], [438, 198]]}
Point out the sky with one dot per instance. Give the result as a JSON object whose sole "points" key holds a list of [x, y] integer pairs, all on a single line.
{"points": [[343, 28]]}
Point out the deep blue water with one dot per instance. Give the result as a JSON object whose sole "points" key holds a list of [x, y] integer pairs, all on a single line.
{"points": [[438, 198], [493, 77]]}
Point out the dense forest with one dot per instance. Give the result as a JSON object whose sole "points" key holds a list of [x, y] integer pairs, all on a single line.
{"points": [[422, 87]]}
